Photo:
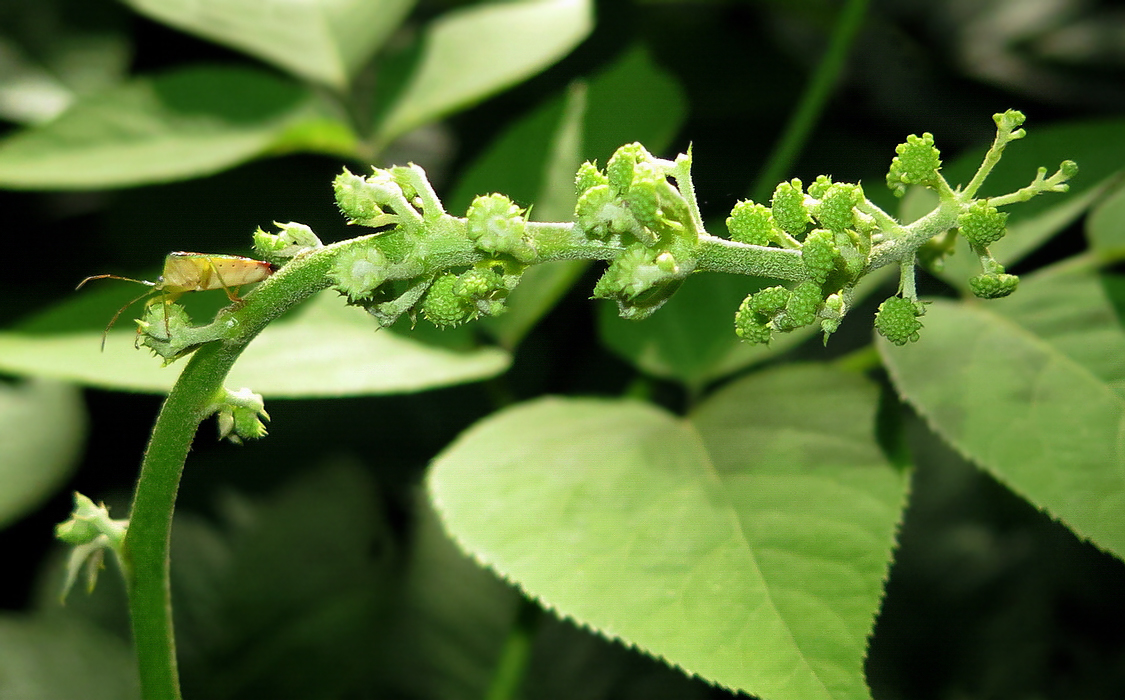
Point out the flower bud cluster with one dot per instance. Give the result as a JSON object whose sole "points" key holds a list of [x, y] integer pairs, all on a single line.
{"points": [[479, 291], [777, 309], [634, 205], [897, 320], [917, 163], [834, 253], [240, 415]]}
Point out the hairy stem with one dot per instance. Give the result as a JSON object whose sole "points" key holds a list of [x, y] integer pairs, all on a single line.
{"points": [[146, 545]]}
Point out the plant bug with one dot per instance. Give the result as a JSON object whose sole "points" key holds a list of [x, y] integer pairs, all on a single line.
{"points": [[193, 272]]}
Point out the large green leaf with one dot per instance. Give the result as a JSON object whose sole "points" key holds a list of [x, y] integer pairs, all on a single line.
{"points": [[185, 123], [42, 426], [747, 543], [325, 41], [470, 54], [1031, 388], [326, 349]]}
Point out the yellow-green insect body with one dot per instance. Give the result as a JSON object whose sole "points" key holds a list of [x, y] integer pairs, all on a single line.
{"points": [[194, 272]]}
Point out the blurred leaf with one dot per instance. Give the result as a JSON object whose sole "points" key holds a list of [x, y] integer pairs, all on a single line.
{"points": [[52, 51], [633, 99], [185, 123], [747, 543], [448, 624], [63, 659], [275, 601], [326, 349], [42, 428], [325, 41], [1031, 390], [1105, 227], [476, 52]]}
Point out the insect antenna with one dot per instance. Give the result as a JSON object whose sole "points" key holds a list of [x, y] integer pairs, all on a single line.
{"points": [[105, 333]]}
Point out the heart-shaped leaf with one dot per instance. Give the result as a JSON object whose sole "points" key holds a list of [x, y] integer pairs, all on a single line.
{"points": [[747, 543]]}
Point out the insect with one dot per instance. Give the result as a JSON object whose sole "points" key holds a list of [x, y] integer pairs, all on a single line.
{"points": [[193, 272]]}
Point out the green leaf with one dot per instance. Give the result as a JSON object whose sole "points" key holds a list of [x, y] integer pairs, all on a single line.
{"points": [[473, 53], [1105, 227], [747, 543], [1031, 389], [185, 123], [631, 100], [325, 41], [326, 349], [60, 659], [42, 428]]}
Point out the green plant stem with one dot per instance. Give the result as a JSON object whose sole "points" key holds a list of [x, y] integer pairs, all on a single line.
{"points": [[516, 654], [812, 102], [146, 545]]}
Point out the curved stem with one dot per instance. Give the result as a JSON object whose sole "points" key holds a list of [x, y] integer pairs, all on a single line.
{"points": [[812, 102], [146, 545]]}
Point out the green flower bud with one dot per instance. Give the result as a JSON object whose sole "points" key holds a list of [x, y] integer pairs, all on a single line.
{"points": [[358, 271], [820, 255], [750, 223], [836, 210], [768, 302], [619, 169], [993, 286], [294, 239], [442, 306], [788, 208], [498, 226], [801, 307], [749, 325], [356, 200], [588, 176], [982, 225], [820, 186], [897, 320], [484, 289], [917, 163], [1009, 122], [1069, 169]]}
